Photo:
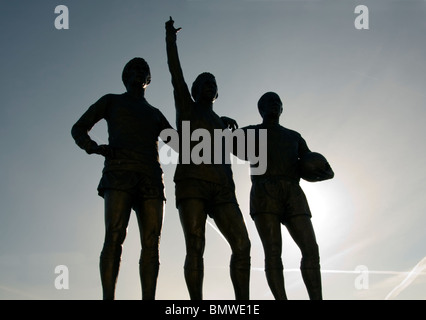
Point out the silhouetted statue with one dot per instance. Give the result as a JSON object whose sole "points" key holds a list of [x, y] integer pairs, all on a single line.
{"points": [[205, 189], [132, 176], [276, 198]]}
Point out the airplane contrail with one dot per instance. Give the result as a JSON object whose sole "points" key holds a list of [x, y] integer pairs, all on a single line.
{"points": [[351, 271], [413, 274], [217, 230]]}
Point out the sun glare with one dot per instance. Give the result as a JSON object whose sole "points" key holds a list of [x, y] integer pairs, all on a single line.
{"points": [[331, 206]]}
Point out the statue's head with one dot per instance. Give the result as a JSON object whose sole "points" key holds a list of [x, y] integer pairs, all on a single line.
{"points": [[204, 87], [270, 105], [136, 73]]}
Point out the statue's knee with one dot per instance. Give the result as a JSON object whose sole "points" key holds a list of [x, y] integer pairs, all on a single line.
{"points": [[115, 236], [194, 262], [242, 248], [195, 245], [310, 262], [274, 262], [240, 258], [149, 255], [111, 251]]}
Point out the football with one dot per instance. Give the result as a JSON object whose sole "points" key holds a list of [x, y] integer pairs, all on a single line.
{"points": [[314, 167]]}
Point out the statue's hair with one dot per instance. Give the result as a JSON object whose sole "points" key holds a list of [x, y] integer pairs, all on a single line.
{"points": [[262, 99], [130, 65]]}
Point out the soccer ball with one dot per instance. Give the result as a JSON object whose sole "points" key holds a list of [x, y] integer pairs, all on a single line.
{"points": [[314, 167]]}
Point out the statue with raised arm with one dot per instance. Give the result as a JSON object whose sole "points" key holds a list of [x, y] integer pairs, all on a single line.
{"points": [[207, 188], [132, 176], [276, 198]]}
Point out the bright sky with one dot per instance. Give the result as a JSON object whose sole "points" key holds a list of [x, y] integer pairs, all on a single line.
{"points": [[356, 96]]}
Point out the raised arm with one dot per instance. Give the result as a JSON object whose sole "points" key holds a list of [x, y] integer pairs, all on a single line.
{"points": [[182, 95]]}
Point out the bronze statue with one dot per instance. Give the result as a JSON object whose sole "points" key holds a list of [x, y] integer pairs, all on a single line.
{"points": [[132, 176], [276, 198], [206, 188]]}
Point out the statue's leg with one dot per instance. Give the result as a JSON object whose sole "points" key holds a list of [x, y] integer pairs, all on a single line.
{"points": [[230, 222], [301, 230], [150, 219], [269, 229], [117, 212], [193, 221]]}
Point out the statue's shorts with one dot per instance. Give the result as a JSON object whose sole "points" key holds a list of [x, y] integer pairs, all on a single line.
{"points": [[137, 184], [277, 196], [211, 193]]}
